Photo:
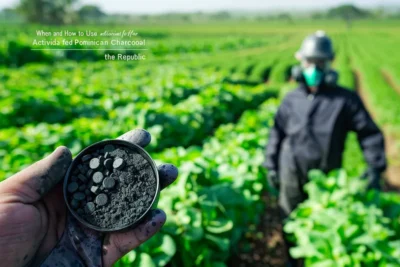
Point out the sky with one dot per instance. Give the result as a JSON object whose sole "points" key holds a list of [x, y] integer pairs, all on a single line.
{"points": [[161, 6]]}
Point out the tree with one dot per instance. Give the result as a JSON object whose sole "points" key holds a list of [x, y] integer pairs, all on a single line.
{"points": [[221, 15], [285, 17], [48, 11], [9, 14], [395, 15], [90, 13], [317, 15], [348, 13]]}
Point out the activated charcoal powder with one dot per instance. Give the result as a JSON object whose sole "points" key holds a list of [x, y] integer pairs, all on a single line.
{"points": [[111, 185]]}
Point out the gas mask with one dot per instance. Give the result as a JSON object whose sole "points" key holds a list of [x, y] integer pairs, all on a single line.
{"points": [[313, 75]]}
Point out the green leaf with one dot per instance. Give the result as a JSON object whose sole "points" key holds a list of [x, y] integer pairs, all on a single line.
{"points": [[364, 239], [304, 251], [128, 258], [219, 226], [143, 260], [164, 253], [190, 219]]}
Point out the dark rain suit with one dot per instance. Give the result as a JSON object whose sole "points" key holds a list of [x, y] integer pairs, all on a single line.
{"points": [[310, 132]]}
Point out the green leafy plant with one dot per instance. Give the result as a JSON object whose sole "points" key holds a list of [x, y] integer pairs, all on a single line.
{"points": [[341, 224]]}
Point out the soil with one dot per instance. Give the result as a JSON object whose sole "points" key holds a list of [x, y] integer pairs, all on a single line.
{"points": [[392, 176], [117, 197], [265, 246], [393, 171], [389, 80]]}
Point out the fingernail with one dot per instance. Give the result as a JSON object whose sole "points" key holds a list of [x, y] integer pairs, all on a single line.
{"points": [[63, 151], [154, 222], [167, 173], [139, 137]]}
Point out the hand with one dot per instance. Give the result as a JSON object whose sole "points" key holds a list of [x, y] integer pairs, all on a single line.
{"points": [[273, 179], [35, 227], [373, 176]]}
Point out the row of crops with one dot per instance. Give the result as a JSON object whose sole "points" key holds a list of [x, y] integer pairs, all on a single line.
{"points": [[77, 120], [217, 182], [209, 112], [204, 206]]}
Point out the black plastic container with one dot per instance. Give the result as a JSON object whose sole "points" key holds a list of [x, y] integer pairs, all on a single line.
{"points": [[120, 187]]}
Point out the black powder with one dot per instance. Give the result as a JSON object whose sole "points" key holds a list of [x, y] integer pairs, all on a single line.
{"points": [[111, 204]]}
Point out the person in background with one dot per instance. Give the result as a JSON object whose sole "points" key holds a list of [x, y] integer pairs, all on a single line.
{"points": [[311, 126]]}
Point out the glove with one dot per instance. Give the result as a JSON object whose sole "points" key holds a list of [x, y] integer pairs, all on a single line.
{"points": [[37, 229], [373, 176], [273, 179]]}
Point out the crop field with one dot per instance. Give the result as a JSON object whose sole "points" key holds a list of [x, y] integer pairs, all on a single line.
{"points": [[208, 95]]}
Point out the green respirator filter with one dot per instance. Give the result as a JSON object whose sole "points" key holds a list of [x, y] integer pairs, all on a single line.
{"points": [[313, 76]]}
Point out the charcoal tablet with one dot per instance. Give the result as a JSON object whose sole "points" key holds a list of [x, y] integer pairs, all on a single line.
{"points": [[79, 196], [82, 178], [72, 187], [90, 207], [75, 203], [89, 173], [94, 163], [108, 183], [101, 199], [118, 163], [86, 157], [81, 169], [109, 148], [95, 189], [108, 163], [97, 177]]}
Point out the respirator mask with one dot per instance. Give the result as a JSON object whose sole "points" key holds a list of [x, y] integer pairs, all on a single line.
{"points": [[313, 74]]}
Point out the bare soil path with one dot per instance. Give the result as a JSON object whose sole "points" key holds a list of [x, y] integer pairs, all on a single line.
{"points": [[264, 247], [392, 143], [389, 80]]}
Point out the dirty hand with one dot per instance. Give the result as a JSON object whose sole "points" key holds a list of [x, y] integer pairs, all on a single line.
{"points": [[373, 176], [273, 179], [36, 229]]}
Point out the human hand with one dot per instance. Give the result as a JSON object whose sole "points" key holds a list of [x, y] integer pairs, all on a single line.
{"points": [[273, 179], [373, 176], [36, 229]]}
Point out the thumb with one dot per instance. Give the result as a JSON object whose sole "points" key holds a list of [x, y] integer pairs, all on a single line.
{"points": [[117, 244], [32, 183]]}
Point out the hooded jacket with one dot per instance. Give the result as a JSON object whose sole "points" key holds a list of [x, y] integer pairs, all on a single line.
{"points": [[312, 129]]}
